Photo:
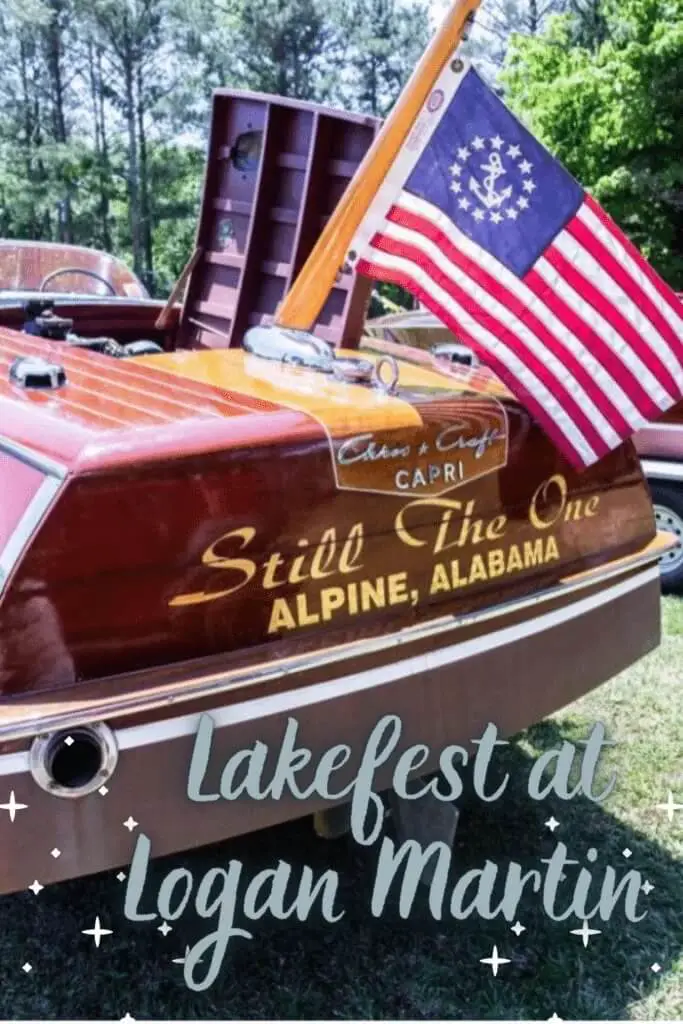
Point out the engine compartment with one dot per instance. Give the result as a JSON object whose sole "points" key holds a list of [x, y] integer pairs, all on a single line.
{"points": [[41, 320]]}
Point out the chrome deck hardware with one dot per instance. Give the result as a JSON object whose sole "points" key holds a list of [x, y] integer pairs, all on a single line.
{"points": [[454, 352], [299, 348]]}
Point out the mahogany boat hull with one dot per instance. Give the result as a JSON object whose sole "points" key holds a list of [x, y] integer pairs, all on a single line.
{"points": [[510, 664], [216, 532]]}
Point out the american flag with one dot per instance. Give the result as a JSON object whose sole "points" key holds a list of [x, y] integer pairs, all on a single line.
{"points": [[493, 235]]}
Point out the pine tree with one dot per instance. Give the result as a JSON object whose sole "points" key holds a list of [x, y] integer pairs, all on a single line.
{"points": [[384, 40]]}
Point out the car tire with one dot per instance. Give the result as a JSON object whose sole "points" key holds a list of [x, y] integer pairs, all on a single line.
{"points": [[668, 508]]}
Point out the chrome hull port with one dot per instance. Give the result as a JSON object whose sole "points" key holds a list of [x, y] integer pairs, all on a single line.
{"points": [[73, 763]]}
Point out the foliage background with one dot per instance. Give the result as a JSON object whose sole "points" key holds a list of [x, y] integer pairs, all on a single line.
{"points": [[104, 104]]}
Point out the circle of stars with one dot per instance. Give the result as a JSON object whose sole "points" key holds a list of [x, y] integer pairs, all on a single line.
{"points": [[469, 203]]}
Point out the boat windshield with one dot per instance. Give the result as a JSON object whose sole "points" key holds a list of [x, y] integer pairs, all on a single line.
{"points": [[64, 269]]}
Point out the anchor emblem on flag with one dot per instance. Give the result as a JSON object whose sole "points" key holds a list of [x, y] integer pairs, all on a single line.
{"points": [[487, 193]]}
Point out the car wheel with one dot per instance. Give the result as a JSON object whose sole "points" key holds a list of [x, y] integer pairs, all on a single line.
{"points": [[668, 508]]}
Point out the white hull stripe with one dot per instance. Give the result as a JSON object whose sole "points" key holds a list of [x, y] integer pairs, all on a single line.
{"points": [[320, 693]]}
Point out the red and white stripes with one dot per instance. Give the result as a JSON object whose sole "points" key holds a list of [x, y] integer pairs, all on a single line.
{"points": [[590, 339]]}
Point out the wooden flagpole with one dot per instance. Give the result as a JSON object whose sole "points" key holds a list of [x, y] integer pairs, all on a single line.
{"points": [[307, 295]]}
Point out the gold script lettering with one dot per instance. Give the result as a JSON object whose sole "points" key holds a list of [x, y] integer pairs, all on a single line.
{"points": [[216, 561], [352, 550], [541, 495], [324, 555], [450, 506], [472, 531], [592, 506]]}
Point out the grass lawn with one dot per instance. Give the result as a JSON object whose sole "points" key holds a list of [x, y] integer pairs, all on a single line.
{"points": [[420, 968]]}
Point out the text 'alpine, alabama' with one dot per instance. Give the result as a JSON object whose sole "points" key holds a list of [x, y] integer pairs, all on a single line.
{"points": [[451, 535]]}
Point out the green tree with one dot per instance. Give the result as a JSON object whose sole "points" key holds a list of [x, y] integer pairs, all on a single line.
{"points": [[383, 41], [498, 20], [613, 113], [589, 25], [280, 47]]}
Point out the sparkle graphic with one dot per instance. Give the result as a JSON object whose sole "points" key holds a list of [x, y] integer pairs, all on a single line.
{"points": [[554, 1017], [670, 807], [69, 741], [12, 806], [27, 968], [563, 875], [36, 887], [552, 824], [164, 928], [585, 932], [626, 853], [494, 961], [656, 968], [56, 852], [181, 959], [647, 887], [517, 928], [130, 823], [103, 792], [97, 932], [127, 1017], [121, 877]]}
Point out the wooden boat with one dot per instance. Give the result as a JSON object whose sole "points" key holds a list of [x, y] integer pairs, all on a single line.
{"points": [[53, 269], [199, 514]]}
